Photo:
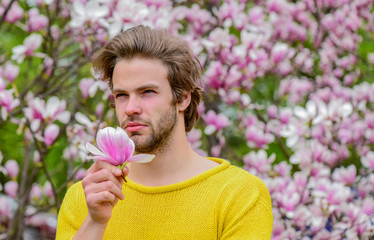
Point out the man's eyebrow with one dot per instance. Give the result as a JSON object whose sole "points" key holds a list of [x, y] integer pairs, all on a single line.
{"points": [[147, 86], [138, 89]]}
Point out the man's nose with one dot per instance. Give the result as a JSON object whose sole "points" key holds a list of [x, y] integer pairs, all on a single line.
{"points": [[133, 106]]}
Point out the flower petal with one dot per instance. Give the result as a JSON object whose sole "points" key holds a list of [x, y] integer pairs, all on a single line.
{"points": [[141, 158], [92, 149]]}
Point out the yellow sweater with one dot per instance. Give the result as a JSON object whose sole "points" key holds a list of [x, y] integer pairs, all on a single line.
{"points": [[224, 202]]}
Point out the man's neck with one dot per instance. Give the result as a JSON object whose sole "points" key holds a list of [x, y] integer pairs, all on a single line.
{"points": [[175, 163]]}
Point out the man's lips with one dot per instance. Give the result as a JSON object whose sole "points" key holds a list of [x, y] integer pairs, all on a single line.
{"points": [[133, 127]]}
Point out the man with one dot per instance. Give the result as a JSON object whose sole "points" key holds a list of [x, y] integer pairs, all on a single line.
{"points": [[179, 195]]}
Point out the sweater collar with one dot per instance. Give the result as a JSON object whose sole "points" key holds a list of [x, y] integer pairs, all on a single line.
{"points": [[176, 186]]}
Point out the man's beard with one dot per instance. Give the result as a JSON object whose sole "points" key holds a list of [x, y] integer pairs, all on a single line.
{"points": [[161, 132]]}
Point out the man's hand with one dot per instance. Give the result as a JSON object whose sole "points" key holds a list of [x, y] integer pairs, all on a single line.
{"points": [[102, 188]]}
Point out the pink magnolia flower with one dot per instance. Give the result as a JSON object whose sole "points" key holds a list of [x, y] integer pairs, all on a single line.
{"points": [[8, 102], [260, 161], [50, 134], [12, 168], [279, 52], [35, 193], [39, 111], [15, 12], [116, 147], [11, 188], [91, 12], [215, 122], [88, 87], [345, 175], [30, 44], [80, 174], [36, 21], [47, 190], [368, 160], [10, 71], [5, 207]]}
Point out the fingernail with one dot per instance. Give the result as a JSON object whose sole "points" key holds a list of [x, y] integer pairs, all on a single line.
{"points": [[117, 172]]}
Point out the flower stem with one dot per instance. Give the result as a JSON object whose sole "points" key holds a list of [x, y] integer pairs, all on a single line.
{"points": [[121, 167]]}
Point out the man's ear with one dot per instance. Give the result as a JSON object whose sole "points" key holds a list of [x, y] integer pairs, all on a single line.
{"points": [[184, 102]]}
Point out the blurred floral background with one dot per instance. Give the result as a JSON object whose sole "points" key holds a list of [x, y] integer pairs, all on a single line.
{"points": [[288, 96]]}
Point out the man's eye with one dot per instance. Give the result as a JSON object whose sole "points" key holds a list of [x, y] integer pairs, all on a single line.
{"points": [[118, 95], [149, 91]]}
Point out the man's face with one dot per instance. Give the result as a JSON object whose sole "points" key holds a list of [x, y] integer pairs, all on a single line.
{"points": [[143, 100]]}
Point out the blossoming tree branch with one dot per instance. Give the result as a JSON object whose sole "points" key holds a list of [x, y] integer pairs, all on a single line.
{"points": [[288, 96]]}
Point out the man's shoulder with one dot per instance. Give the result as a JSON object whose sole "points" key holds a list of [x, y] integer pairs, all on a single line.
{"points": [[237, 181], [236, 174], [75, 190]]}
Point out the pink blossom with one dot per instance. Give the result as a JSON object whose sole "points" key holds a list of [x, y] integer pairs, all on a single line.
{"points": [[345, 175], [12, 168], [48, 65], [36, 21], [50, 134], [116, 148], [35, 193], [36, 157], [215, 122], [5, 207], [71, 152], [256, 15], [91, 12], [272, 111], [295, 88], [99, 109], [285, 115], [368, 206], [259, 161], [47, 190], [39, 111], [368, 160], [279, 52], [256, 137], [283, 169], [88, 87], [8, 102], [30, 44], [14, 14], [10, 71], [80, 174], [11, 188]]}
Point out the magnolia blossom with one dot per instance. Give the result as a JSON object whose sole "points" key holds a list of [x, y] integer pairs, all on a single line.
{"points": [[15, 12], [50, 134], [12, 168], [39, 111], [8, 102], [10, 71], [92, 11], [30, 44], [36, 21], [11, 188], [115, 147], [215, 122]]}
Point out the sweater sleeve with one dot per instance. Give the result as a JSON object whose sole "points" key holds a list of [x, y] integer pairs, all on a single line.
{"points": [[249, 215], [72, 213]]}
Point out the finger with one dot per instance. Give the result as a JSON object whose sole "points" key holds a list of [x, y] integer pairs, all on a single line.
{"points": [[125, 171], [99, 198], [101, 176], [104, 187], [99, 164]]}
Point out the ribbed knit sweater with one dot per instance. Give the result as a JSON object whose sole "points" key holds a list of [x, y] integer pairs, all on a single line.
{"points": [[224, 202]]}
